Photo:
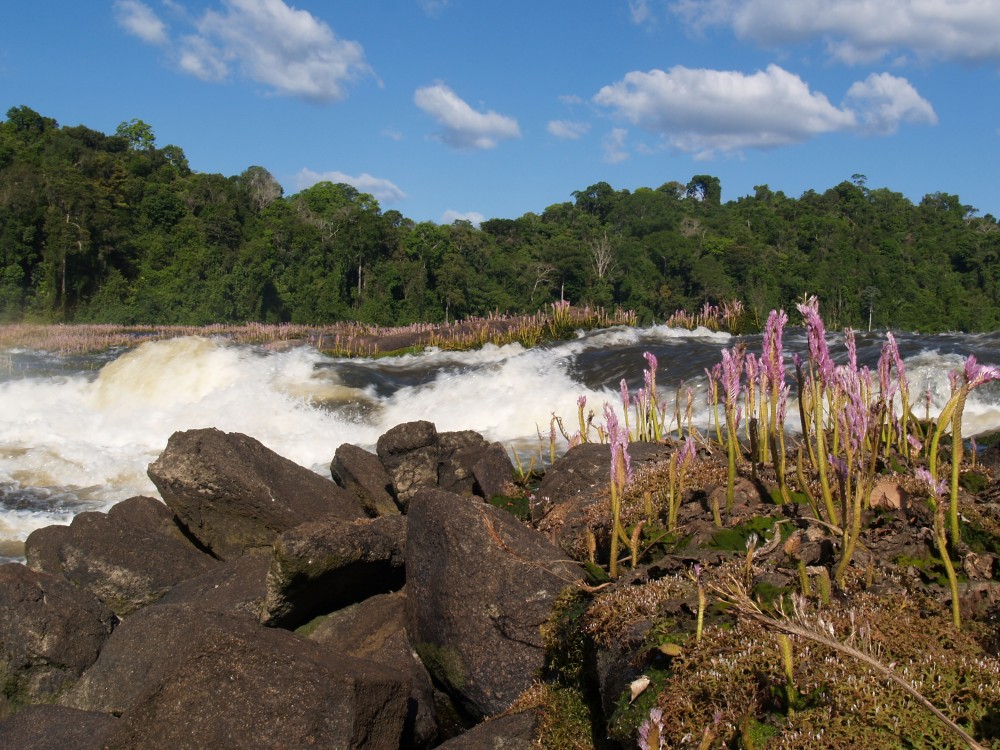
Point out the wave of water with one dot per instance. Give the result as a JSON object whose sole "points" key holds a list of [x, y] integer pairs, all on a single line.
{"points": [[78, 433]]}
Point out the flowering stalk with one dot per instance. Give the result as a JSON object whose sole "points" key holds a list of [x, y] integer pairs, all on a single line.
{"points": [[936, 500], [732, 368], [621, 471], [680, 462], [821, 371], [581, 403], [972, 376]]}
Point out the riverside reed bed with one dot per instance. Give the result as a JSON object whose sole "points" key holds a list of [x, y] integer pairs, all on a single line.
{"points": [[343, 339], [760, 649]]}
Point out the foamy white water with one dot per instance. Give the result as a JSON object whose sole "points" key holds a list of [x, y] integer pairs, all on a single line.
{"points": [[83, 439]]}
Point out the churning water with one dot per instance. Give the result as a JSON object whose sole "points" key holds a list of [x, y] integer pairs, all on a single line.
{"points": [[77, 433]]}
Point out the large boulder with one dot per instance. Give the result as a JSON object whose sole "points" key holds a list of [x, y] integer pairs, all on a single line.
{"points": [[188, 678], [410, 454], [324, 565], [234, 495], [375, 629], [469, 465], [237, 585], [50, 632], [48, 727], [479, 586], [362, 473], [128, 558]]}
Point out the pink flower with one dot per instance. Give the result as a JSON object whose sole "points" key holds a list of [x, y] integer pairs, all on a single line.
{"points": [[977, 374]]}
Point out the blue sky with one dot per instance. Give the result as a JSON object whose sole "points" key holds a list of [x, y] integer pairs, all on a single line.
{"points": [[476, 109]]}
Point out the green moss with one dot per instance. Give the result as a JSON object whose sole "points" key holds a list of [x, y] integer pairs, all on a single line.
{"points": [[566, 719], [519, 507], [979, 539], [734, 539], [444, 663], [310, 627], [973, 481], [629, 714], [563, 637]]}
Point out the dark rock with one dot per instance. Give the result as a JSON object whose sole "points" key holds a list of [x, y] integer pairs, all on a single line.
{"points": [[234, 495], [237, 684], [471, 466], [510, 732], [459, 451], [50, 632], [323, 565], [237, 585], [576, 482], [143, 651], [375, 629], [493, 472], [479, 586], [48, 727], [410, 454], [128, 558], [362, 473]]}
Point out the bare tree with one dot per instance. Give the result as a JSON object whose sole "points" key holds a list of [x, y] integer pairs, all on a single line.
{"points": [[602, 255]]}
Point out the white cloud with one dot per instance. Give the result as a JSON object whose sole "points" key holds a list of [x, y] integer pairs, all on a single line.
{"points": [[639, 11], [464, 127], [139, 20], [884, 101], [384, 191], [614, 146], [567, 129], [698, 110], [705, 112], [290, 51], [473, 217], [860, 30]]}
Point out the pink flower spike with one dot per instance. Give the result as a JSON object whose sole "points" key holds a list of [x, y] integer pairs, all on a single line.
{"points": [[977, 374], [937, 489]]}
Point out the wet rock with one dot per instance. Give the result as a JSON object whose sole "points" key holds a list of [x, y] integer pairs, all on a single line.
{"points": [[235, 496], [410, 454], [479, 585], [323, 565], [50, 632], [362, 473], [48, 727], [128, 558], [375, 629]]}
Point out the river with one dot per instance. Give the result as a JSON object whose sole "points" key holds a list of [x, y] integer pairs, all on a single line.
{"points": [[77, 432]]}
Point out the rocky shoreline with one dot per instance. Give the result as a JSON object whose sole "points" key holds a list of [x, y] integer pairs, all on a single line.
{"points": [[403, 605]]}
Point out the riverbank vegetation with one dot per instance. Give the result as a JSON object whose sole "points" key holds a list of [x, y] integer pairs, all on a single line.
{"points": [[98, 228], [844, 597]]}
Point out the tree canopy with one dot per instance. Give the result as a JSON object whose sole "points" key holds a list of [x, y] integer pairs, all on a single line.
{"points": [[113, 228]]}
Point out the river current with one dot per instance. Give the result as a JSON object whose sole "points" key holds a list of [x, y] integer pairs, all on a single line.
{"points": [[77, 432]]}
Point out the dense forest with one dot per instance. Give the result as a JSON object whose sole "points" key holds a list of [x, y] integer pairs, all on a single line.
{"points": [[113, 228]]}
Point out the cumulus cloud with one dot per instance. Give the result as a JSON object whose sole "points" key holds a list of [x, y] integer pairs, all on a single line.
{"points": [[711, 111], [290, 51], [698, 110], [473, 217], [567, 129], [139, 20], [384, 191], [883, 101], [860, 30], [462, 126]]}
